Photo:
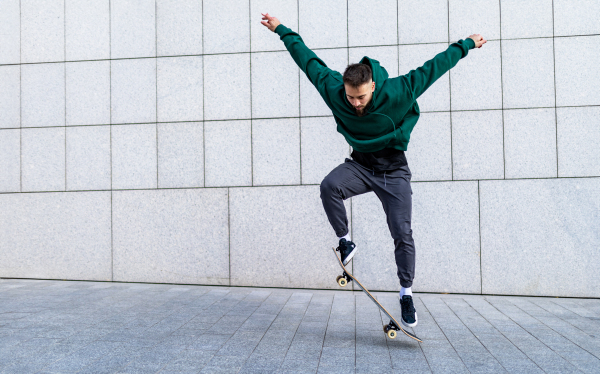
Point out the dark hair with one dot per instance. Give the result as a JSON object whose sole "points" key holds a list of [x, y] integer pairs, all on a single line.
{"points": [[357, 74]]}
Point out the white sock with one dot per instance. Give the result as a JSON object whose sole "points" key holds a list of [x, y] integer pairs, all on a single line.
{"points": [[405, 291], [347, 237]]}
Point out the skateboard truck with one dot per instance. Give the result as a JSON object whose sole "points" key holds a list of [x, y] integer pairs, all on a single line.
{"points": [[343, 279], [390, 329]]}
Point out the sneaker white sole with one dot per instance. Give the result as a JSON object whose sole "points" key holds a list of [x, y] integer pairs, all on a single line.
{"points": [[349, 258], [410, 324]]}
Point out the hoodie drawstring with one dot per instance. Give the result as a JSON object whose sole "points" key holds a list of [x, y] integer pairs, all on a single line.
{"points": [[393, 123]]}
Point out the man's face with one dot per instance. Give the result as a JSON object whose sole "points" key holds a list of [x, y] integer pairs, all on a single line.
{"points": [[360, 96]]}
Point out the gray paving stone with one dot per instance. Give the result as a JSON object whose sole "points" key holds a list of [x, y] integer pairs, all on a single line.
{"points": [[462, 334], [298, 366]]}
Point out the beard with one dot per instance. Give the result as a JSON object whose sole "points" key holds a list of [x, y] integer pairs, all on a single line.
{"points": [[362, 111]]}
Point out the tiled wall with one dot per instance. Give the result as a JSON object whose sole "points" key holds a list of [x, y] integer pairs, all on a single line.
{"points": [[176, 141]]}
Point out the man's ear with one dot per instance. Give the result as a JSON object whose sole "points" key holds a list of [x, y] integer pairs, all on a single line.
{"points": [[373, 87]]}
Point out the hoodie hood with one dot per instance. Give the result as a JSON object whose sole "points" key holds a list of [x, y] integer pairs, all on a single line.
{"points": [[379, 76]]}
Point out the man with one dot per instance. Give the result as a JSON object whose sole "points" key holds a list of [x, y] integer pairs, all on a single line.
{"points": [[376, 115]]}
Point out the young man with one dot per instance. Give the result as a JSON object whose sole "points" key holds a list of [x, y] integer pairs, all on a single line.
{"points": [[376, 115]]}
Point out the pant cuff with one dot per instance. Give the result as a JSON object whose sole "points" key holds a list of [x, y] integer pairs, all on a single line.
{"points": [[406, 284], [342, 233]]}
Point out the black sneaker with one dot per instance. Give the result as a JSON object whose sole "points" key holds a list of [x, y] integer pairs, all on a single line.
{"points": [[409, 314], [347, 250]]}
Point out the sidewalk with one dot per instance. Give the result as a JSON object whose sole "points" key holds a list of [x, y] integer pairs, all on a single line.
{"points": [[97, 327]]}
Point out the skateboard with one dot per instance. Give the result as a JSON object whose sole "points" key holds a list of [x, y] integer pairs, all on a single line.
{"points": [[391, 328]]}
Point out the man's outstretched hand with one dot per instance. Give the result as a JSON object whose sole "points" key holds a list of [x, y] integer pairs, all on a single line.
{"points": [[270, 22], [478, 39]]}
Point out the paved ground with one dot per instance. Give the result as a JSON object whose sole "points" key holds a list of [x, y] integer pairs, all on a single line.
{"points": [[95, 327]]}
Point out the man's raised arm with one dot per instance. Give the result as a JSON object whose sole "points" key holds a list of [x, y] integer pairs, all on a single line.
{"points": [[315, 69], [421, 78]]}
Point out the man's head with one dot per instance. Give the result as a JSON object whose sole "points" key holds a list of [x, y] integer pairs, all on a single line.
{"points": [[359, 86]]}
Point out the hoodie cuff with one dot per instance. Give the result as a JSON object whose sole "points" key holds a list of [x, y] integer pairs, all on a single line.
{"points": [[281, 30], [470, 43]]}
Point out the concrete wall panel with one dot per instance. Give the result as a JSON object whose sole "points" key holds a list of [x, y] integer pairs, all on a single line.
{"points": [[133, 91], [88, 93], [578, 132], [530, 143], [276, 151], [134, 160], [485, 92], [43, 159], [10, 32], [171, 236], [233, 38], [10, 160], [64, 235], [227, 87], [317, 26], [384, 31], [43, 95], [477, 145], [577, 80], [467, 19], [179, 89], [133, 28], [576, 17], [429, 153], [528, 73], [275, 85], [42, 30], [180, 155], [87, 29], [526, 19], [228, 153], [540, 237], [422, 21], [265, 225], [179, 27], [88, 158], [10, 96]]}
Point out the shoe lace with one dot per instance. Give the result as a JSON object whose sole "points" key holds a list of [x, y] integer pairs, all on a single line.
{"points": [[345, 246], [407, 305]]}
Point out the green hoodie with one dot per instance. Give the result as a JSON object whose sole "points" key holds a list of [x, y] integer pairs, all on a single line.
{"points": [[393, 111]]}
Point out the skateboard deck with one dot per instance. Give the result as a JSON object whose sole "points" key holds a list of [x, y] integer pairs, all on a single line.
{"points": [[391, 328]]}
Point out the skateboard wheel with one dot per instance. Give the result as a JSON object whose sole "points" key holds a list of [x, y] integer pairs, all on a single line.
{"points": [[342, 281], [386, 328], [391, 334]]}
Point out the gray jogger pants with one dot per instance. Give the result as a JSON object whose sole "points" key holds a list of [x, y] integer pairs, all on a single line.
{"points": [[393, 190]]}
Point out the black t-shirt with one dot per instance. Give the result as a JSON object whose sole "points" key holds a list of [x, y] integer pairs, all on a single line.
{"points": [[387, 159]]}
